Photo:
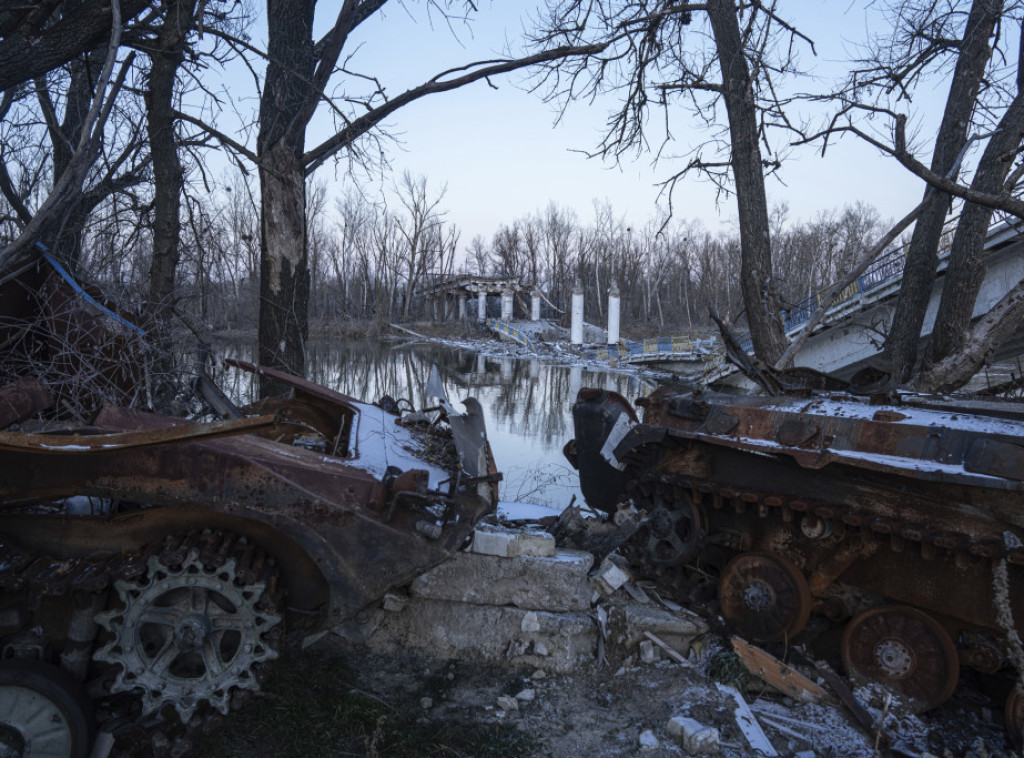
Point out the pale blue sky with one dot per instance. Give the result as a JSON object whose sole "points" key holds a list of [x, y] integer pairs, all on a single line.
{"points": [[502, 157]]}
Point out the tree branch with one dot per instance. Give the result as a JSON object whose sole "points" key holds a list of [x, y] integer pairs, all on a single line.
{"points": [[316, 157]]}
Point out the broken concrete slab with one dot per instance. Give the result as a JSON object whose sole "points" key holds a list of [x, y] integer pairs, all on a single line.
{"points": [[487, 633], [508, 543], [555, 583], [629, 623]]}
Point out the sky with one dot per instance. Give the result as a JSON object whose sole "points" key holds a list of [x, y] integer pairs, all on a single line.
{"points": [[502, 153]]}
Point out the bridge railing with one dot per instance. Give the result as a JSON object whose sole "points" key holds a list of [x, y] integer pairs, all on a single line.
{"points": [[654, 346], [507, 329]]}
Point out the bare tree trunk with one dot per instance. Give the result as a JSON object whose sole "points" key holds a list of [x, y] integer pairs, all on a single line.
{"points": [[748, 174], [955, 370], [901, 344], [966, 270], [284, 266], [168, 179]]}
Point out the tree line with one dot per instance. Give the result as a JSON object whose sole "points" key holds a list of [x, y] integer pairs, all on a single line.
{"points": [[108, 119]]}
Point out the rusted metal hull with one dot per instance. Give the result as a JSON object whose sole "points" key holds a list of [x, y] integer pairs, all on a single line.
{"points": [[917, 503], [208, 535], [343, 536]]}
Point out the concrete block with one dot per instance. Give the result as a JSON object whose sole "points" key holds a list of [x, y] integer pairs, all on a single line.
{"points": [[609, 577], [558, 642], [508, 543], [649, 652], [693, 736], [494, 542], [534, 543], [627, 624], [556, 583]]}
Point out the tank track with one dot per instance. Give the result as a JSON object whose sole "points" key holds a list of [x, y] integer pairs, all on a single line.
{"points": [[901, 536], [42, 575]]}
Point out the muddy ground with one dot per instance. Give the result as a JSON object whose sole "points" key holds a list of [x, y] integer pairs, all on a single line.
{"points": [[335, 699]]}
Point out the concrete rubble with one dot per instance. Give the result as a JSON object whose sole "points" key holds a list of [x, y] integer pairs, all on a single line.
{"points": [[589, 662], [693, 736], [514, 598]]}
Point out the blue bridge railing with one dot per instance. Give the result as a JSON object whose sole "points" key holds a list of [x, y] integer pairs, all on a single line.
{"points": [[886, 268], [507, 329], [652, 346]]}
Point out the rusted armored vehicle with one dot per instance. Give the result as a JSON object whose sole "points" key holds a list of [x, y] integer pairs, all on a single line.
{"points": [[902, 519], [151, 566]]}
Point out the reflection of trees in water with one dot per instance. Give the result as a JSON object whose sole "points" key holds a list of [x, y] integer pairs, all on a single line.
{"points": [[532, 397], [529, 402]]}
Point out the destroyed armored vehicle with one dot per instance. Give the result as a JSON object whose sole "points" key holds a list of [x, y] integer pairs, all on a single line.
{"points": [[151, 566], [170, 560], [902, 520]]}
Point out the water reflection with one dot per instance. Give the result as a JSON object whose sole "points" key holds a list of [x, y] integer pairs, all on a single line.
{"points": [[527, 402]]}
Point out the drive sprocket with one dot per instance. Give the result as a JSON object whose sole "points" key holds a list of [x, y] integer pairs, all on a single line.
{"points": [[188, 634]]}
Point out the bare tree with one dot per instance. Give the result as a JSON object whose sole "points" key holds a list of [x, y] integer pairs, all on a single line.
{"points": [[39, 37], [299, 72], [718, 54], [926, 39]]}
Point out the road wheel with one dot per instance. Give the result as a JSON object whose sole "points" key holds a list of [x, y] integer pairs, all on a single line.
{"points": [[44, 712], [904, 649], [764, 596]]}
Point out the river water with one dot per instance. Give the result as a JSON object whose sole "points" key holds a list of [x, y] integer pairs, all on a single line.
{"points": [[527, 401]]}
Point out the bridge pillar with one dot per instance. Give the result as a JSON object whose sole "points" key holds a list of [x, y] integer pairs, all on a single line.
{"points": [[613, 314], [481, 306], [535, 306], [575, 381], [506, 305], [462, 307], [576, 327]]}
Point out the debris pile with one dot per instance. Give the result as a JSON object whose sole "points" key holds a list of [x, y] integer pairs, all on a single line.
{"points": [[597, 647]]}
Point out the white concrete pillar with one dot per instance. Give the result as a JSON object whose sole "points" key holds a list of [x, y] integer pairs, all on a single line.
{"points": [[534, 369], [506, 369], [576, 327], [506, 305], [535, 306], [481, 306], [462, 307], [613, 314], [481, 364], [575, 381]]}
